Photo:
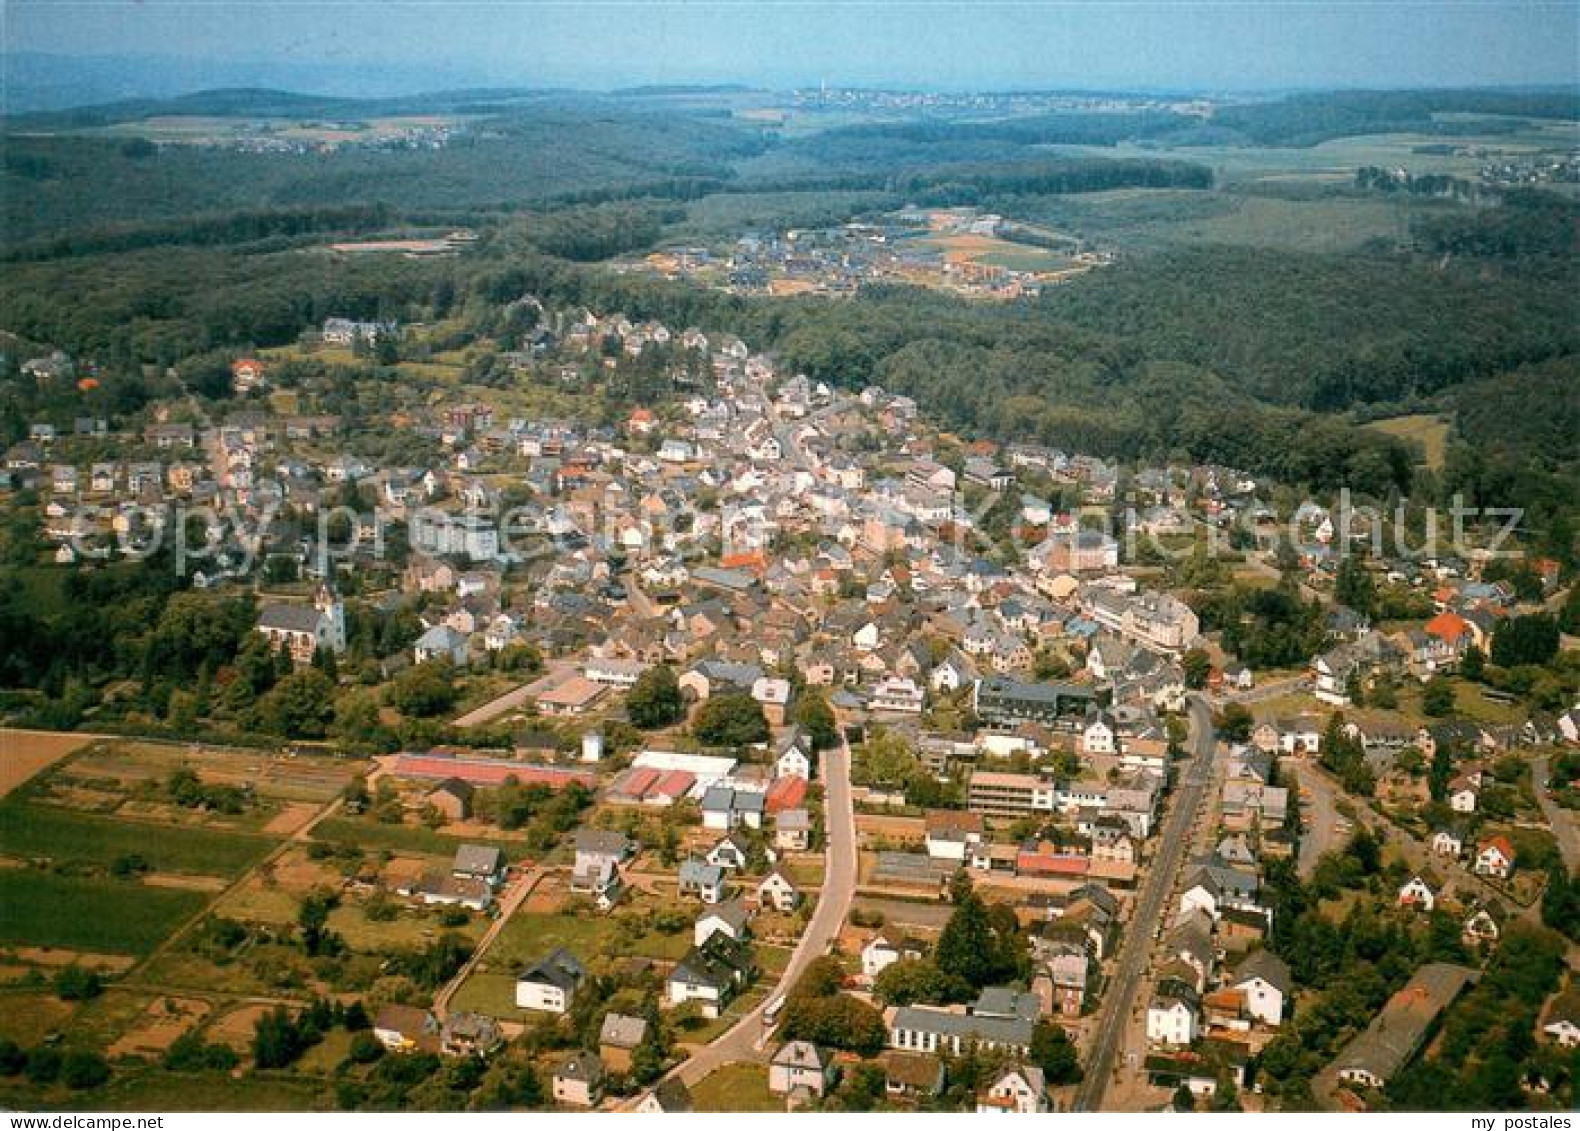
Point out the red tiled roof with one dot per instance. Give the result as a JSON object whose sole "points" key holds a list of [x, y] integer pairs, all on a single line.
{"points": [[487, 771], [786, 793]]}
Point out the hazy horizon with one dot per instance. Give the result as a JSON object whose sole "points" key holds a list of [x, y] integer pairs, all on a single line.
{"points": [[166, 46]]}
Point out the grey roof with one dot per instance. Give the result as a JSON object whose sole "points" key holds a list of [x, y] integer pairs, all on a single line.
{"points": [[602, 842], [732, 912], [672, 1095], [1266, 965], [1006, 1001], [289, 618], [998, 1030], [1396, 1033], [693, 871], [478, 860], [582, 1066], [557, 968], [622, 1030], [799, 1054]]}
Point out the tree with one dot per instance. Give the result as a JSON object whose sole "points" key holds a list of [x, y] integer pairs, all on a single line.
{"points": [[425, 690], [979, 945], [276, 1043], [654, 700], [1198, 666], [1054, 1052], [917, 979], [77, 983], [1531, 639], [81, 1069], [1437, 697], [1354, 587], [813, 714], [1474, 665], [299, 706], [732, 719], [1234, 722]]}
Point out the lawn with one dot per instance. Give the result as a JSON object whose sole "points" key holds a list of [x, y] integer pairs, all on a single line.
{"points": [[33, 831], [171, 1091], [530, 935], [372, 836], [1430, 431], [104, 916], [736, 1087]]}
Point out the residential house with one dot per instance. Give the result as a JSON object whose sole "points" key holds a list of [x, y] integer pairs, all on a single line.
{"points": [[730, 918], [1417, 892], [1018, 1088], [579, 1080], [776, 891], [711, 974], [1495, 858], [549, 984], [1264, 980], [708, 882], [618, 1038], [800, 1066]]}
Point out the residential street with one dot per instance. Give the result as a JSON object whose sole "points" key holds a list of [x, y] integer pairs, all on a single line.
{"points": [[1151, 909], [745, 1039], [1566, 830]]}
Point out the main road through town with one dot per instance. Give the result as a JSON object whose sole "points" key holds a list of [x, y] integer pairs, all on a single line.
{"points": [[742, 1041], [1151, 906]]}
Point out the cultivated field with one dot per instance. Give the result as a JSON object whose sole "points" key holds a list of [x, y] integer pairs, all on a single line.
{"points": [[23, 753]]}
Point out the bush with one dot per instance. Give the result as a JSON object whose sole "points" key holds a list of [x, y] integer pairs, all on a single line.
{"points": [[81, 1069], [75, 983]]}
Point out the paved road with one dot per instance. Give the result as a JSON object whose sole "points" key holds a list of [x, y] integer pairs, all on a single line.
{"points": [[1566, 830], [744, 1040], [555, 673], [1319, 818], [1173, 840]]}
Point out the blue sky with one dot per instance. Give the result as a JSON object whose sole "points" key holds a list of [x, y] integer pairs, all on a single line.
{"points": [[961, 44]]}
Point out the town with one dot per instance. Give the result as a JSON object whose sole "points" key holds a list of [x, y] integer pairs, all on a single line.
{"points": [[624, 720]]}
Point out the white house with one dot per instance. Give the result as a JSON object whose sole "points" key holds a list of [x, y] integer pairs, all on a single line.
{"points": [[729, 919], [1020, 1089], [800, 1065], [795, 756], [1101, 734], [1495, 857], [1172, 1014], [1416, 892], [776, 891], [549, 984], [1265, 983]]}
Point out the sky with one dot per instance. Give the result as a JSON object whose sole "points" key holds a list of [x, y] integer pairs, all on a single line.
{"points": [[961, 44]]}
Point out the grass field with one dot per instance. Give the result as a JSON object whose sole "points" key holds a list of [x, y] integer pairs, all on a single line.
{"points": [[373, 836], [34, 831], [736, 1087], [44, 909], [169, 1091], [1431, 432]]}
